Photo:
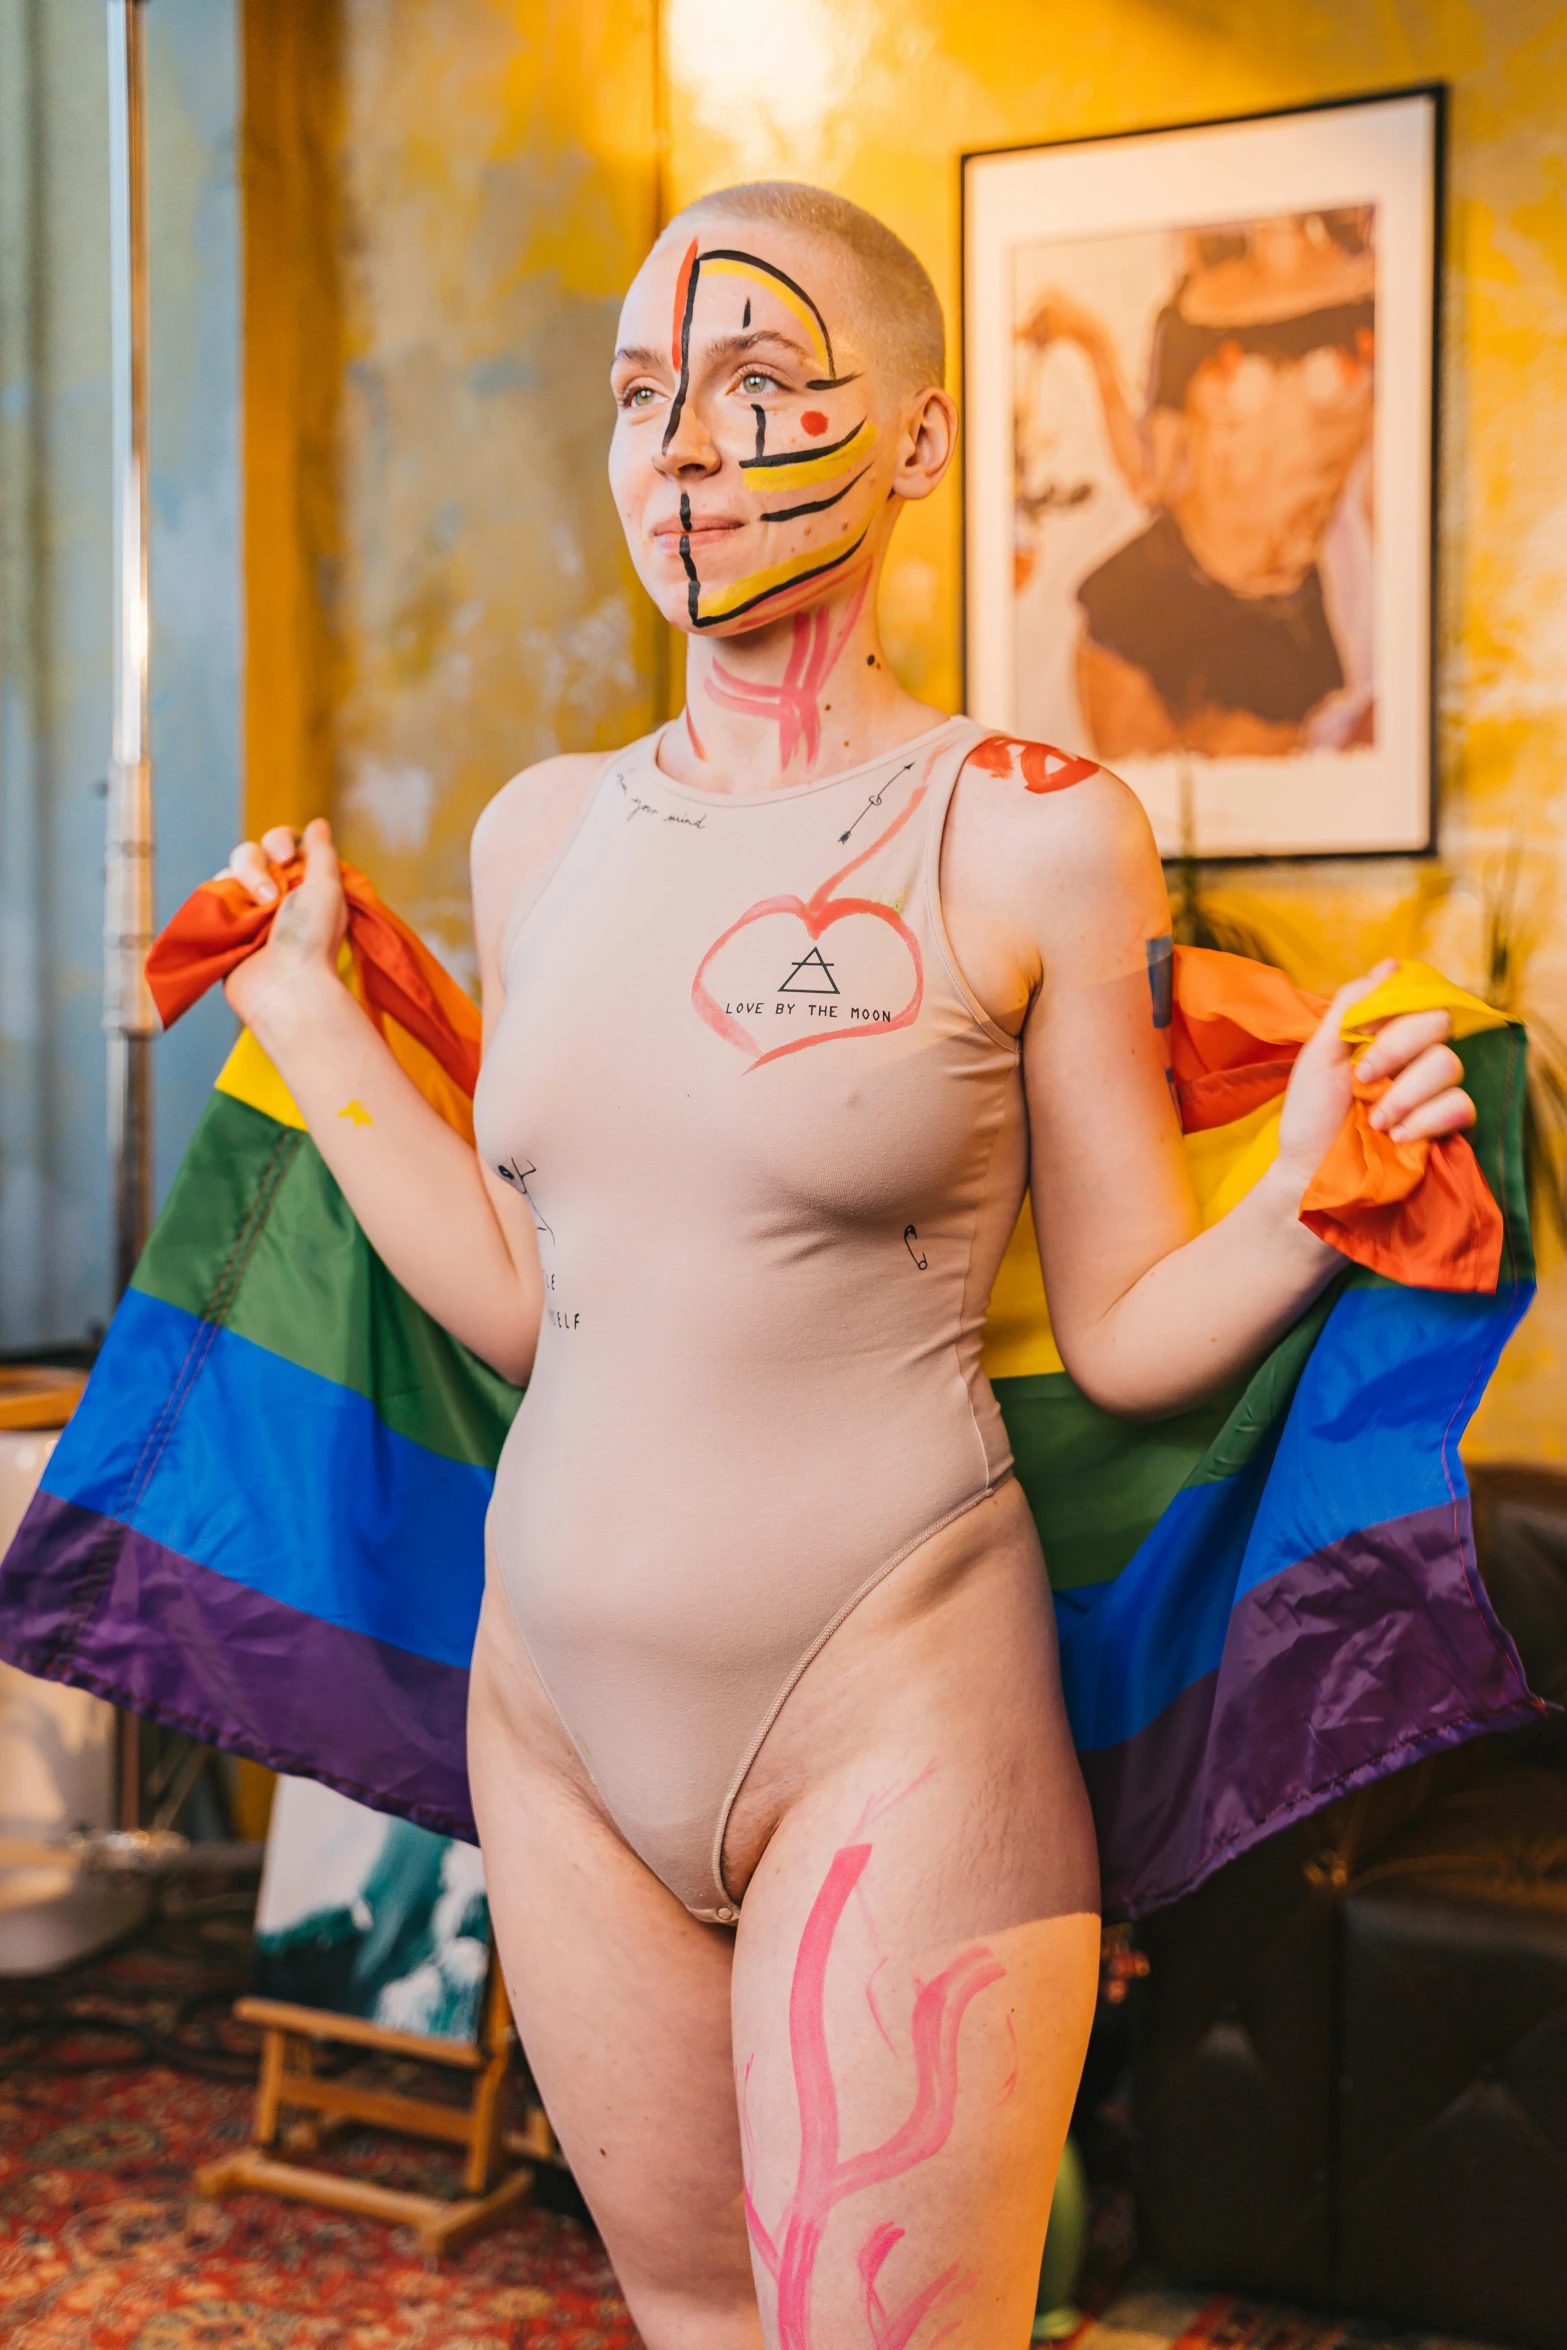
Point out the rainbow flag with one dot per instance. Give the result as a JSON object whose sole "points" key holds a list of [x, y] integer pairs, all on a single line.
{"points": [[264, 1524]]}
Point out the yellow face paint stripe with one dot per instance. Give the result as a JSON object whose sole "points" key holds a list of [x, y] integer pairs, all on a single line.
{"points": [[722, 265], [764, 474], [708, 606]]}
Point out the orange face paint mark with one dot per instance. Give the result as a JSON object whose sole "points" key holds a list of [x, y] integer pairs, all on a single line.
{"points": [[813, 422], [677, 350]]}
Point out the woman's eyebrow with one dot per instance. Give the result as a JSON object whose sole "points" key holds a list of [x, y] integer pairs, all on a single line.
{"points": [[640, 355], [735, 346]]}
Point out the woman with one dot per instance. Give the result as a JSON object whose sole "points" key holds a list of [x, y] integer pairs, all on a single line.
{"points": [[788, 1853]]}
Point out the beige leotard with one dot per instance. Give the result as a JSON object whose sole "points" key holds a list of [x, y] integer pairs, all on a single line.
{"points": [[774, 1149]]}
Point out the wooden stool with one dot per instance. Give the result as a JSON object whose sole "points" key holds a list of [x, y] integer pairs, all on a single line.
{"points": [[288, 2081]]}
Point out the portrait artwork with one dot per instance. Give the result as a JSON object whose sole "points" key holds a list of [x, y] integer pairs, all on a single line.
{"points": [[1199, 473]]}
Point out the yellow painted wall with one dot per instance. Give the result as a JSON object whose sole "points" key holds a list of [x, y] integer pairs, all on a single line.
{"points": [[879, 99], [445, 200], [450, 563]]}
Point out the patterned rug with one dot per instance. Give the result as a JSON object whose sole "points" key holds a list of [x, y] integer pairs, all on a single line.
{"points": [[105, 2245], [118, 2081]]}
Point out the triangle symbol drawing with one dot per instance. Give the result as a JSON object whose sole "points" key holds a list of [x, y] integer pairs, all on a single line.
{"points": [[810, 976]]}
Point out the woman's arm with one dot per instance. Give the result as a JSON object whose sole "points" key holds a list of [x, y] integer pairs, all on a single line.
{"points": [[1150, 1312], [451, 1233]]}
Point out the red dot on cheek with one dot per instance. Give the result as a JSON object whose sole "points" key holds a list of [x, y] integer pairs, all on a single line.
{"points": [[813, 422]]}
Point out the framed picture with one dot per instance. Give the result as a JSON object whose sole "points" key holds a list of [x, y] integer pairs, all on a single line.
{"points": [[1199, 376], [363, 1915]]}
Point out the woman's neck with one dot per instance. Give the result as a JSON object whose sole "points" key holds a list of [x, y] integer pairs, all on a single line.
{"points": [[804, 697]]}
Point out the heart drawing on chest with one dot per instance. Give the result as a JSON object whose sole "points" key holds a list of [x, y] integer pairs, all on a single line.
{"points": [[807, 979]]}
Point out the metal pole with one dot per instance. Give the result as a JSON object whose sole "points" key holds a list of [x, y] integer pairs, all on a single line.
{"points": [[128, 1016], [129, 1020]]}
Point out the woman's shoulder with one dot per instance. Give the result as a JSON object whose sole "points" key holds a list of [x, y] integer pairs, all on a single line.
{"points": [[533, 800], [521, 832], [1058, 802]]}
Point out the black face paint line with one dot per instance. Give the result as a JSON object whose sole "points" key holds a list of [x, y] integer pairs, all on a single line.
{"points": [[746, 320], [815, 505], [693, 584], [685, 307], [1161, 977], [690, 270], [781, 277], [799, 456], [761, 423]]}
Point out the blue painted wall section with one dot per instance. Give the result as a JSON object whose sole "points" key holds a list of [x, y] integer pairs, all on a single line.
{"points": [[55, 608]]}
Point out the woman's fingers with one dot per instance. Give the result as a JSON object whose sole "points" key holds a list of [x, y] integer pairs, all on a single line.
{"points": [[252, 861], [248, 864], [1398, 1041], [1447, 1112], [1437, 1070]]}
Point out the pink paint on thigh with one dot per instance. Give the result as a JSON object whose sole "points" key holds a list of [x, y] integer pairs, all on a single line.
{"points": [[825, 2178]]}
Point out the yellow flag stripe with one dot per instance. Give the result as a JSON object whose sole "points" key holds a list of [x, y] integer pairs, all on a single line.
{"points": [[1225, 1161]]}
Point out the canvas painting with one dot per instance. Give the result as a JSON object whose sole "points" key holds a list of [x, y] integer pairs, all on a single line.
{"points": [[1199, 473], [369, 1916]]}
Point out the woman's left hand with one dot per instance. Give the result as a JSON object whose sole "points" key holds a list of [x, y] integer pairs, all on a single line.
{"points": [[1424, 1100]]}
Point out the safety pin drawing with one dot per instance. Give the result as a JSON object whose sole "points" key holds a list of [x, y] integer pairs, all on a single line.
{"points": [[911, 1241]]}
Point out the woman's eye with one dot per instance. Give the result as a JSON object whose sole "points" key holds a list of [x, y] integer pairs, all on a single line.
{"points": [[638, 396], [754, 381]]}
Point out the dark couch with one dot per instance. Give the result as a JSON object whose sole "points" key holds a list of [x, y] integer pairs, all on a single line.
{"points": [[1351, 2062]]}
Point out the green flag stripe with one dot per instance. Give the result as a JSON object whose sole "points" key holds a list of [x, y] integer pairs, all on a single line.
{"points": [[1098, 1486], [257, 1236]]}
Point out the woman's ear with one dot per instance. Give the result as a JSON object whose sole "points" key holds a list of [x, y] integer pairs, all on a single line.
{"points": [[930, 439]]}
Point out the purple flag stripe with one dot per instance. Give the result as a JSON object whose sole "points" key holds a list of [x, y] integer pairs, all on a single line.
{"points": [[1358, 1661], [86, 1600]]}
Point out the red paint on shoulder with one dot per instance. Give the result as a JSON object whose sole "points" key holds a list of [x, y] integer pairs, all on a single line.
{"points": [[813, 422], [1041, 766]]}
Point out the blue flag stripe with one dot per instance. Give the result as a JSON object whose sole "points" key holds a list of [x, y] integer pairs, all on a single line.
{"points": [[279, 1479], [1404, 1363]]}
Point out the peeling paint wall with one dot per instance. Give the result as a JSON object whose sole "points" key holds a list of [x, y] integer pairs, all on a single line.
{"points": [[494, 189], [55, 610]]}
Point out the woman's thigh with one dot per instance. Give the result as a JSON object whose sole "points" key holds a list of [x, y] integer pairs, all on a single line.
{"points": [[916, 1962], [906, 2075], [622, 2002]]}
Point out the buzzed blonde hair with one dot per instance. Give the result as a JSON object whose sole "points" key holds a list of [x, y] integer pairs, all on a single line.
{"points": [[903, 309]]}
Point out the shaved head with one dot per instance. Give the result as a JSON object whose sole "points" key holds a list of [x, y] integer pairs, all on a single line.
{"points": [[899, 312]]}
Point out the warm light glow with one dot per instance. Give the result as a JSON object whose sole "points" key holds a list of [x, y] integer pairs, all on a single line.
{"points": [[771, 77]]}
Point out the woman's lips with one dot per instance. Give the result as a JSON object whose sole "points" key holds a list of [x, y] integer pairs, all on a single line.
{"points": [[699, 532]]}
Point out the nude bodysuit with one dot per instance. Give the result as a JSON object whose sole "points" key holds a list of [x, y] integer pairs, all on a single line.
{"points": [[774, 1149]]}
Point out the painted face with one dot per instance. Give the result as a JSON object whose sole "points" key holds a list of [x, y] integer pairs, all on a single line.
{"points": [[748, 464]]}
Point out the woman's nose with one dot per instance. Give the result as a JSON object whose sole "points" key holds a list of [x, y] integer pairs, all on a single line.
{"points": [[688, 447]]}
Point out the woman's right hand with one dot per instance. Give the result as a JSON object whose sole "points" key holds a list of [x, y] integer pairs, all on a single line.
{"points": [[301, 950]]}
